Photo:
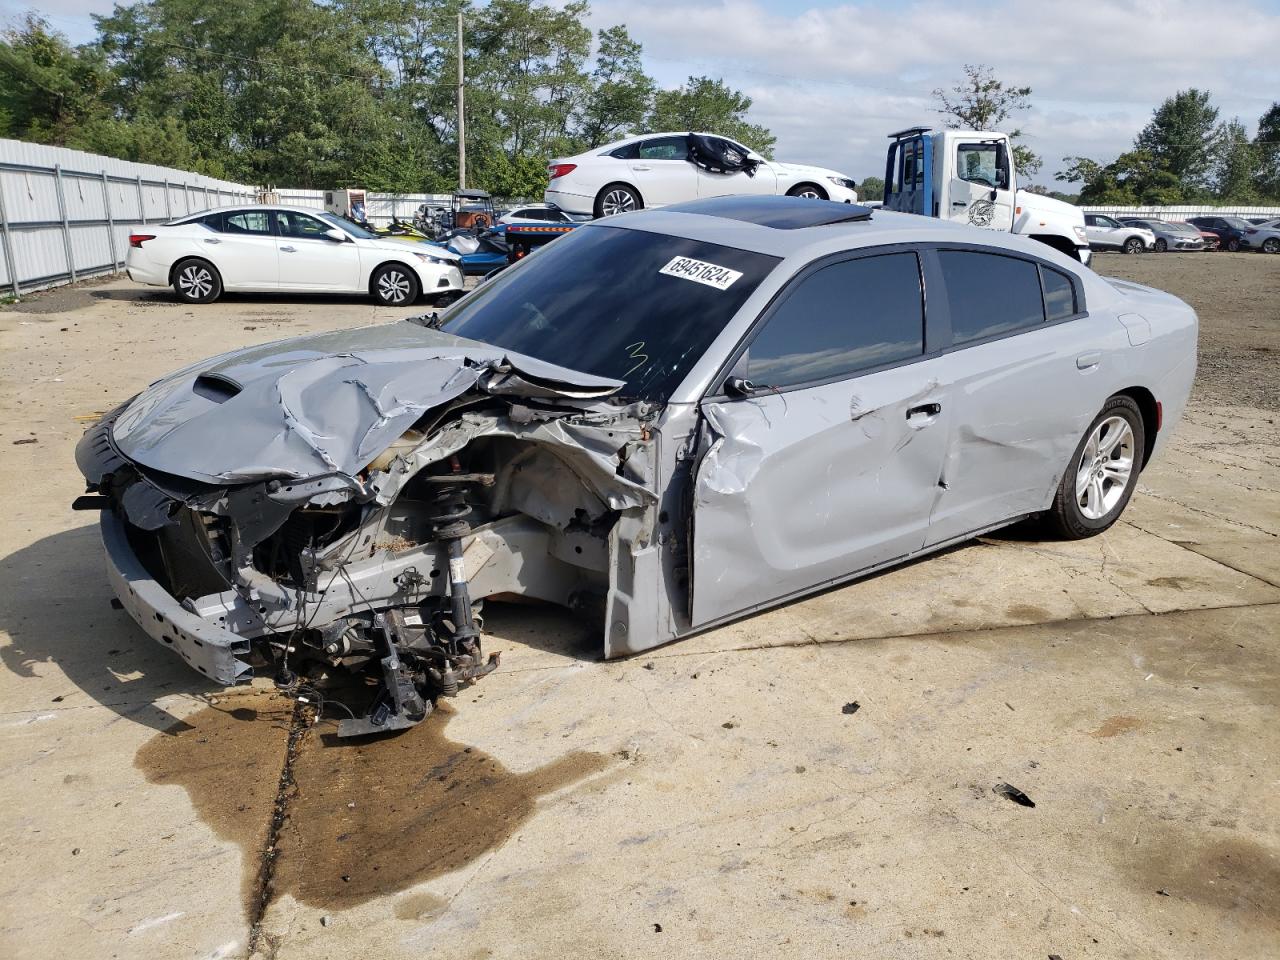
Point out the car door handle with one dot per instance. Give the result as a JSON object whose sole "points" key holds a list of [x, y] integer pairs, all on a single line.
{"points": [[212, 240], [1087, 361], [638, 167], [959, 203], [923, 413], [288, 250]]}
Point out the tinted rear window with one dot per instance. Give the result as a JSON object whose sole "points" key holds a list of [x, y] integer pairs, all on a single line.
{"points": [[990, 295], [843, 318], [597, 300], [1059, 294]]}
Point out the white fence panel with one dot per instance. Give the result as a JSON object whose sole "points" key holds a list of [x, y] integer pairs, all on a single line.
{"points": [[65, 214], [1183, 212]]}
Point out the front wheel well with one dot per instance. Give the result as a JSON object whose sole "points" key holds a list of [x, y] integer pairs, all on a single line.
{"points": [[1150, 411], [373, 274], [799, 187]]}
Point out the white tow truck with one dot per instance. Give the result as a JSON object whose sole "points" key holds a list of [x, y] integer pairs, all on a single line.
{"points": [[969, 176]]}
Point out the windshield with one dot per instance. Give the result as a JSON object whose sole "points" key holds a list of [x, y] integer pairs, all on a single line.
{"points": [[634, 306], [1182, 228], [1238, 223], [345, 225]]}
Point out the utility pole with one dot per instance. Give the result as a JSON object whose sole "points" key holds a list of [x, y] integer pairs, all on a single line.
{"points": [[462, 120]]}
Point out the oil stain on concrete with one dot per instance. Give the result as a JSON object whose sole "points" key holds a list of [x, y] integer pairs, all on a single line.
{"points": [[361, 819]]}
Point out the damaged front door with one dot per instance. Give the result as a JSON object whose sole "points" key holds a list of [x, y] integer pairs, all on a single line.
{"points": [[826, 447]]}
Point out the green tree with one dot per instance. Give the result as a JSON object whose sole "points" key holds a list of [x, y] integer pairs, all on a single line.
{"points": [[1236, 168], [48, 88], [705, 104], [1183, 137], [981, 102], [1131, 179], [621, 91], [872, 188], [1267, 148]]}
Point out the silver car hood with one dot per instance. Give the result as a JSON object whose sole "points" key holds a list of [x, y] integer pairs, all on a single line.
{"points": [[321, 405]]}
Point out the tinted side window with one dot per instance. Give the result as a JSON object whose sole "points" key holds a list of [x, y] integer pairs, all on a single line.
{"points": [[299, 225], [628, 152], [843, 318], [213, 221], [665, 148], [1059, 294], [989, 294], [247, 221]]}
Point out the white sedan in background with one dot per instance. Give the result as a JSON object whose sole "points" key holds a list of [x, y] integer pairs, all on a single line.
{"points": [[661, 168], [273, 249]]}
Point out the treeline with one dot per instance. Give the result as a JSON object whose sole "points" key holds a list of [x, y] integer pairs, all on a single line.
{"points": [[1186, 155], [348, 92]]}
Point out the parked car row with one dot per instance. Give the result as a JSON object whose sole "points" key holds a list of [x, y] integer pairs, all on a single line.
{"points": [[1143, 234]]}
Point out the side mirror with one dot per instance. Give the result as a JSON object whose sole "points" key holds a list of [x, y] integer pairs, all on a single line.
{"points": [[336, 235], [739, 387]]}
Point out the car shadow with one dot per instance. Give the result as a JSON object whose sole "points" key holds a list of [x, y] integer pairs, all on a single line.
{"points": [[56, 609]]}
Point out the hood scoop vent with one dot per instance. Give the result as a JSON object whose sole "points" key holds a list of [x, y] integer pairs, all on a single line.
{"points": [[215, 388]]}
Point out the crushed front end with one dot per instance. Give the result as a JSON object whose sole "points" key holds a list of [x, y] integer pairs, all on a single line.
{"points": [[338, 520]]}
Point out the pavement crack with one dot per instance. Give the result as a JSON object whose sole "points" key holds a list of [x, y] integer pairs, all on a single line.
{"points": [[299, 724]]}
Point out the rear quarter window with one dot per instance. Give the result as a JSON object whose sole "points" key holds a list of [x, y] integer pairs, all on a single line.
{"points": [[1059, 294]]}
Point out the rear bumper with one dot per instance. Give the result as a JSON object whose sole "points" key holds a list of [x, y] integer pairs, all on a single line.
{"points": [[142, 269], [215, 652], [571, 202]]}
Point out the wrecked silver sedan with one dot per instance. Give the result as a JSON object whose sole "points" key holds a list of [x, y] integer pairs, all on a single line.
{"points": [[663, 421]]}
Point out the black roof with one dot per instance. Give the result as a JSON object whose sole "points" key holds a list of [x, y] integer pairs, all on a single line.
{"points": [[781, 213]]}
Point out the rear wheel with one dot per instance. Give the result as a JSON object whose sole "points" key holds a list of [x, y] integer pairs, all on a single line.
{"points": [[1233, 245], [1162, 245], [1102, 473], [395, 285], [809, 191], [617, 198], [1271, 245], [196, 281], [1134, 245]]}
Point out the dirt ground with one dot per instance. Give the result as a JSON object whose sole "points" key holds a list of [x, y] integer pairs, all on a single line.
{"points": [[822, 780], [1237, 296]]}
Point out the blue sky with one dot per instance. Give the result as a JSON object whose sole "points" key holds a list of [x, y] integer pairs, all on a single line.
{"points": [[831, 78]]}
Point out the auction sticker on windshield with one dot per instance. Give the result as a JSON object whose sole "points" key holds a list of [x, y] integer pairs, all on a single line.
{"points": [[699, 271]]}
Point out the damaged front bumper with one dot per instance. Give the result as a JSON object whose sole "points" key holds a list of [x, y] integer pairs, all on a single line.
{"points": [[217, 653], [373, 562]]}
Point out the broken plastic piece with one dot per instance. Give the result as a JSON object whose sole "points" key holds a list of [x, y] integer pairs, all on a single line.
{"points": [[1014, 794]]}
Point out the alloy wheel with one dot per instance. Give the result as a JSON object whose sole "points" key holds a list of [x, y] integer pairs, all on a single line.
{"points": [[195, 281], [809, 193], [1106, 464], [393, 286], [618, 201], [1271, 245]]}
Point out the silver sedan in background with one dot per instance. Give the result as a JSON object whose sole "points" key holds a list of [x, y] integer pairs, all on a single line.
{"points": [[1169, 234]]}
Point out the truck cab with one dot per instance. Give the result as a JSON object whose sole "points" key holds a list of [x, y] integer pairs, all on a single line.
{"points": [[970, 177]]}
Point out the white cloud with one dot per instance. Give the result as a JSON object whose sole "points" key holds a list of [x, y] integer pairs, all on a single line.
{"points": [[832, 81]]}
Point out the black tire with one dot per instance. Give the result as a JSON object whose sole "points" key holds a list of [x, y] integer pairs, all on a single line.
{"points": [[808, 190], [1134, 245], [617, 198], [196, 281], [1233, 245], [394, 285], [1271, 245], [1066, 518], [1162, 245]]}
